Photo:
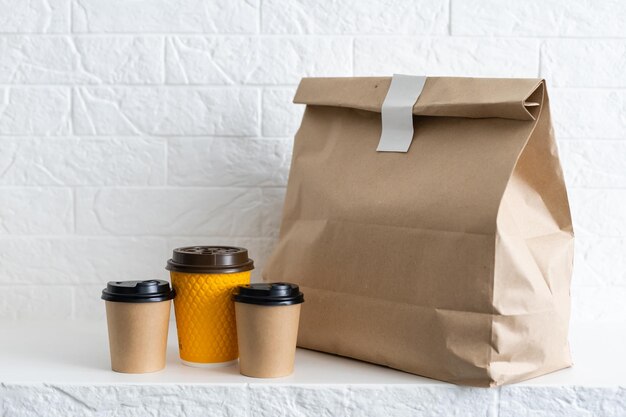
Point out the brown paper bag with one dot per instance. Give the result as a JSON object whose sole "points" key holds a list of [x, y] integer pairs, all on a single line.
{"points": [[452, 260]]}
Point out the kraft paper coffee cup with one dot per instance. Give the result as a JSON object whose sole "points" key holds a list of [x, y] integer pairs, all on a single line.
{"points": [[138, 314], [205, 278], [267, 328]]}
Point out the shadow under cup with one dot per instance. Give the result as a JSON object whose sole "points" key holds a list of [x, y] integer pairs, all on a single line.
{"points": [[205, 278]]}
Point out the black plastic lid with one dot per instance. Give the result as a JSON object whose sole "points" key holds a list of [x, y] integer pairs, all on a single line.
{"points": [[210, 260], [147, 291], [272, 294]]}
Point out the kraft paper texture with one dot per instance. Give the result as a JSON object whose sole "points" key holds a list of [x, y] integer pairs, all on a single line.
{"points": [[451, 261], [267, 339], [138, 335]]}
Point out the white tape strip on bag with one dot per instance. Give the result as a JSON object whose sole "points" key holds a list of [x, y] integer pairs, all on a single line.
{"points": [[397, 112]]}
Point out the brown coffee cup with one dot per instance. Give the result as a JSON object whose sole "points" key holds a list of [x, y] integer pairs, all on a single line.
{"points": [[138, 314], [267, 317]]}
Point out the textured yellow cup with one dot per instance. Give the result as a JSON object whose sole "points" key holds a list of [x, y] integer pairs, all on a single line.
{"points": [[205, 278], [205, 316]]}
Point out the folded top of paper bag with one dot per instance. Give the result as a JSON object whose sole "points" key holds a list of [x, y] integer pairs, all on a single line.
{"points": [[509, 98]]}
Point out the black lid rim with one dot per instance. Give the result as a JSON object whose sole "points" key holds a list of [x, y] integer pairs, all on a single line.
{"points": [[269, 294], [285, 301], [117, 299], [145, 291]]}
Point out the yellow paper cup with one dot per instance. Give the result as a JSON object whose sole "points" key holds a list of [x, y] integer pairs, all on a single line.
{"points": [[205, 278]]}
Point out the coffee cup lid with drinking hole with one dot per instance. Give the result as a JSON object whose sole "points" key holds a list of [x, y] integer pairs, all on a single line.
{"points": [[210, 260], [147, 291], [271, 294]]}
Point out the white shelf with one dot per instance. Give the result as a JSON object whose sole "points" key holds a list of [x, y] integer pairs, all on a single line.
{"points": [[67, 365]]}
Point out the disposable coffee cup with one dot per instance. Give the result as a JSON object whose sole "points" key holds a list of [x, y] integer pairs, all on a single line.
{"points": [[138, 314], [267, 328], [205, 278]]}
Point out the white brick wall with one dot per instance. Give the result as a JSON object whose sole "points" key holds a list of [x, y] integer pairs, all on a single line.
{"points": [[128, 128]]}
